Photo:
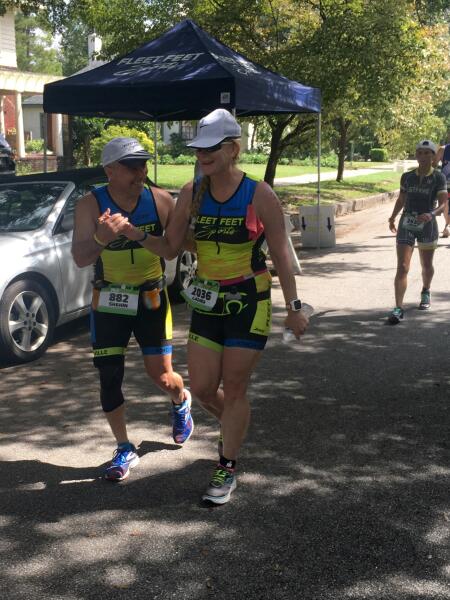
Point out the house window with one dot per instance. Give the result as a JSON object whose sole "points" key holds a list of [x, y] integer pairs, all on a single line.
{"points": [[187, 130]]}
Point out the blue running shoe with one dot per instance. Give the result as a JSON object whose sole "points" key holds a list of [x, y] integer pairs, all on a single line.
{"points": [[182, 423], [221, 486], [124, 459]]}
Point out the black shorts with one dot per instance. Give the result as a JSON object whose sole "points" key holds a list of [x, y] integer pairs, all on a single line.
{"points": [[238, 322], [110, 333]]}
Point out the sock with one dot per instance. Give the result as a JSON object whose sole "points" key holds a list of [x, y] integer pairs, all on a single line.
{"points": [[126, 446], [227, 463]]}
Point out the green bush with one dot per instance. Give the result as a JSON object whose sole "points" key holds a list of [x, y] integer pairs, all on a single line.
{"points": [[36, 145], [23, 168], [177, 145], [284, 161], [165, 159], [329, 160], [184, 159], [117, 131], [379, 155], [253, 158], [364, 148]]}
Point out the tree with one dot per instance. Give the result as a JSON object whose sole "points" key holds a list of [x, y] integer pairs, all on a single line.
{"points": [[74, 47], [423, 113], [34, 46], [362, 54]]}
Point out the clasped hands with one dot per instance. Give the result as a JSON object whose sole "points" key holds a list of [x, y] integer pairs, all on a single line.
{"points": [[111, 226]]}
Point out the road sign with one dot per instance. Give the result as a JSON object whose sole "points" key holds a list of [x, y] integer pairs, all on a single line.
{"points": [[317, 226]]}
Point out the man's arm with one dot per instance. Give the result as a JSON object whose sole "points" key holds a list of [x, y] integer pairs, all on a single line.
{"points": [[85, 250], [92, 231]]}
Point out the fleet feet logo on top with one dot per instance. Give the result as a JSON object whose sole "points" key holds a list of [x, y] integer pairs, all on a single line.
{"points": [[163, 62]]}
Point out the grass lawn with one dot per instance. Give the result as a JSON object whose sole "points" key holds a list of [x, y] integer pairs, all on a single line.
{"points": [[175, 176], [334, 191]]}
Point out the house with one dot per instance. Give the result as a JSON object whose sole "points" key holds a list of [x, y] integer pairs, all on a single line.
{"points": [[15, 87]]}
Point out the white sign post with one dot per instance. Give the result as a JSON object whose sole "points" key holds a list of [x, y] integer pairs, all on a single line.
{"points": [[317, 226]]}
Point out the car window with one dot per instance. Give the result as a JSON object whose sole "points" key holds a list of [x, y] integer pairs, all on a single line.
{"points": [[79, 191], [26, 206]]}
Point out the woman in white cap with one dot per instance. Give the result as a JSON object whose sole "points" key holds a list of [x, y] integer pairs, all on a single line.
{"points": [[420, 191], [229, 216]]}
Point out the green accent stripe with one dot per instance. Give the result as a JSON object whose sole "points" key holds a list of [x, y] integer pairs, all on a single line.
{"points": [[114, 351], [198, 339]]}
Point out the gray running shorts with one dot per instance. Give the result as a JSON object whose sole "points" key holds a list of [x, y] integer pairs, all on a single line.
{"points": [[427, 238]]}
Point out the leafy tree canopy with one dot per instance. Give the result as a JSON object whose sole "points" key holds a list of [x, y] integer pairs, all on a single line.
{"points": [[34, 46]]}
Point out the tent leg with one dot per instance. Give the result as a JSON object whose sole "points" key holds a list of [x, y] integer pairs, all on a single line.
{"points": [[155, 164], [45, 142], [319, 142]]}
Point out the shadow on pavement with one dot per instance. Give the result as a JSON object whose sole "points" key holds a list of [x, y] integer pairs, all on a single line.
{"points": [[342, 489]]}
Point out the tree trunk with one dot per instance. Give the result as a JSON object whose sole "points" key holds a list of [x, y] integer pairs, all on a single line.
{"points": [[342, 145], [275, 151], [86, 151], [253, 138]]}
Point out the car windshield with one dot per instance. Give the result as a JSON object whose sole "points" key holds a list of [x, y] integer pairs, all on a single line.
{"points": [[26, 206]]}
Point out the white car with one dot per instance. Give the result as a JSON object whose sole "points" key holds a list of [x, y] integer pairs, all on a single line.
{"points": [[40, 285]]}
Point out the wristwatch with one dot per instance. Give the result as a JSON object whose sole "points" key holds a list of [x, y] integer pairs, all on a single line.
{"points": [[294, 305]]}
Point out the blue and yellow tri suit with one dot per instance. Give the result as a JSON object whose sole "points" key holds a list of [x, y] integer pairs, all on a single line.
{"points": [[124, 261], [229, 241]]}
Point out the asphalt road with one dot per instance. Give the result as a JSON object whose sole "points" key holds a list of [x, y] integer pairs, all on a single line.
{"points": [[343, 484]]}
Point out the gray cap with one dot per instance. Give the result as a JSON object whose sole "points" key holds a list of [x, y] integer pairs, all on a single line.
{"points": [[214, 128], [122, 148], [428, 144]]}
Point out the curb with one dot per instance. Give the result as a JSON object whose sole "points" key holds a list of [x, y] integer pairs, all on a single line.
{"points": [[347, 207], [344, 208]]}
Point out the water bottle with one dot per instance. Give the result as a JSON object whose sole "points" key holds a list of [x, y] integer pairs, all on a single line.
{"points": [[288, 334]]}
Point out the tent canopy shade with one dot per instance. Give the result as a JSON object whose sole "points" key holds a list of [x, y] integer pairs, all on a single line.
{"points": [[182, 75]]}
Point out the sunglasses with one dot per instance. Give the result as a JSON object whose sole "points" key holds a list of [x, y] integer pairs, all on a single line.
{"points": [[133, 163], [211, 149]]}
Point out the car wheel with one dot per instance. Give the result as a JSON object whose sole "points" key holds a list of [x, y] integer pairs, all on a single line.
{"points": [[185, 270], [27, 321]]}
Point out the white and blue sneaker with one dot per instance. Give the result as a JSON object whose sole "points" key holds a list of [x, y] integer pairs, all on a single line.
{"points": [[124, 459], [182, 422]]}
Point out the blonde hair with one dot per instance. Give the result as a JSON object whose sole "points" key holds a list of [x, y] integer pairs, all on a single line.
{"points": [[201, 189]]}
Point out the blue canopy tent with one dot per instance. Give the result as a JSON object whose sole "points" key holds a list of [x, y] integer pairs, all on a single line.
{"points": [[182, 75]]}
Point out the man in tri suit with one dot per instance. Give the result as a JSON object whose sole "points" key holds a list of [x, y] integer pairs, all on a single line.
{"points": [[423, 195], [129, 291]]}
